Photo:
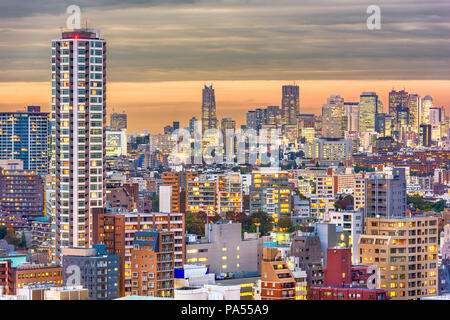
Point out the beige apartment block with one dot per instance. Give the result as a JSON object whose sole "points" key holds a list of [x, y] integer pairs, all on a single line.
{"points": [[406, 250]]}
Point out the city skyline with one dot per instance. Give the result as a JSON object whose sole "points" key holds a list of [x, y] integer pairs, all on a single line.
{"points": [[161, 99]]}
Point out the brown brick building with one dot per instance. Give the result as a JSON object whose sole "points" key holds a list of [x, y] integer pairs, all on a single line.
{"points": [[277, 281], [117, 231], [152, 264]]}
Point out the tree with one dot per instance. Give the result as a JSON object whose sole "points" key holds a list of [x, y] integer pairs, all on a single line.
{"points": [[194, 225], [23, 242], [3, 232], [264, 221], [284, 224]]}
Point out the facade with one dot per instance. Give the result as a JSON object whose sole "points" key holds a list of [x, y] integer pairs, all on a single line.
{"points": [[25, 136], [334, 293], [352, 223], [270, 192], [22, 194], [118, 121], [41, 233], [99, 271], [290, 103], [386, 193], [277, 280], [78, 136], [36, 275], [321, 206], [117, 232], [209, 118], [152, 264], [173, 179], [334, 122], [201, 196], [406, 251], [331, 150], [308, 250], [368, 105], [116, 143], [224, 251], [229, 193], [6, 277]]}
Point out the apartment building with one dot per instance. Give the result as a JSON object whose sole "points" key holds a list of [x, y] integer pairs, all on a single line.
{"points": [[98, 271], [270, 192], [320, 206], [277, 280], [308, 250], [386, 193], [173, 179], [201, 195], [352, 223], [152, 264], [406, 251], [229, 193], [324, 186], [117, 232]]}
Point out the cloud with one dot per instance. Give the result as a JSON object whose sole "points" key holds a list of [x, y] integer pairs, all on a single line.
{"points": [[236, 39]]}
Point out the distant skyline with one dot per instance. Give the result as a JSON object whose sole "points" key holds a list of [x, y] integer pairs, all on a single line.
{"points": [[153, 105], [162, 52]]}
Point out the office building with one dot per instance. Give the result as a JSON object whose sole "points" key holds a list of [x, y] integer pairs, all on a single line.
{"points": [[209, 117], [35, 275], [334, 122], [78, 136], [425, 135], [25, 136], [368, 108], [224, 251], [290, 103], [118, 121]]}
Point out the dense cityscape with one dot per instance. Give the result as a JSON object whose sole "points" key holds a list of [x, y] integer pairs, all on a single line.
{"points": [[349, 204]]}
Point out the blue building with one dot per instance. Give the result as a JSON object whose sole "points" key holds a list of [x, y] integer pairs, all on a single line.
{"points": [[94, 269], [26, 136]]}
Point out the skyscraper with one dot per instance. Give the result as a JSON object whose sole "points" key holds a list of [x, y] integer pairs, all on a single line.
{"points": [[397, 99], [427, 104], [351, 112], [25, 135], [78, 136], [118, 121], [368, 108], [209, 118], [333, 125], [290, 104], [414, 105]]}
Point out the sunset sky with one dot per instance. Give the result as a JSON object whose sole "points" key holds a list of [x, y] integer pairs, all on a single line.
{"points": [[161, 53]]}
